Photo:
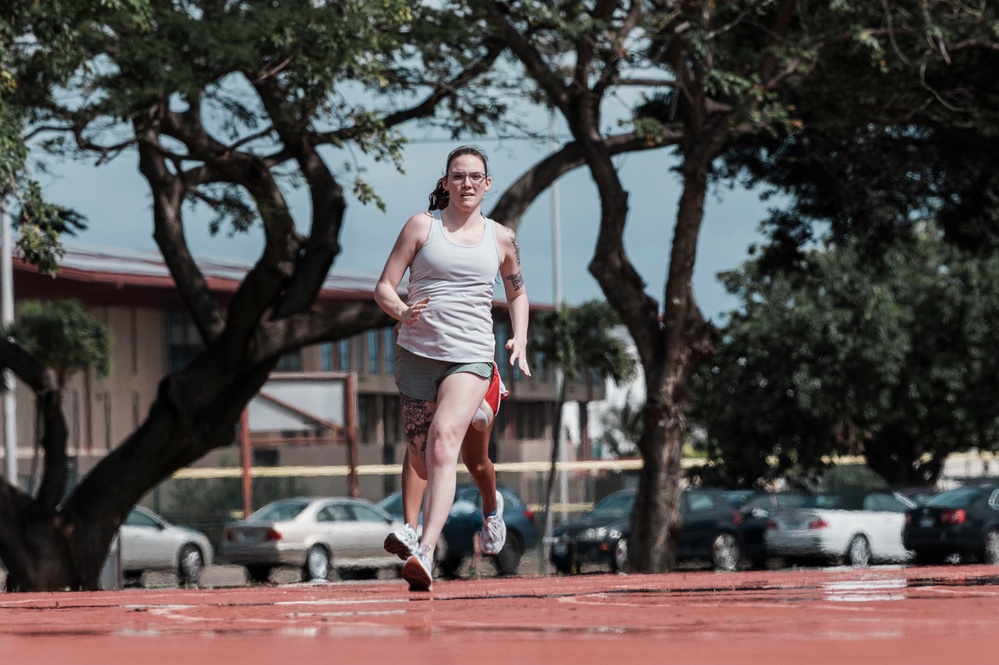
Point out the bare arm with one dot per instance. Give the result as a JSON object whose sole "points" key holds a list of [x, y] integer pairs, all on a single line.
{"points": [[516, 297], [410, 239]]}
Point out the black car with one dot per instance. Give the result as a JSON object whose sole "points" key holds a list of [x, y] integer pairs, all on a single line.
{"points": [[465, 520], [709, 531], [962, 521]]}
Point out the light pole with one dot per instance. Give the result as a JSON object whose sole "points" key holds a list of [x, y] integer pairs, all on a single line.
{"points": [[6, 318]]}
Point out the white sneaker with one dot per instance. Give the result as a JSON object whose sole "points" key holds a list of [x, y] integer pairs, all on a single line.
{"points": [[417, 571], [402, 542], [493, 535]]}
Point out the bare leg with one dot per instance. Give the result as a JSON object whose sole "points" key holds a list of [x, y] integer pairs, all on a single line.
{"points": [[412, 492], [475, 455], [457, 399]]}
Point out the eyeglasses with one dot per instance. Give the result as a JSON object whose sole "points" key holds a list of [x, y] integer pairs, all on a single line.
{"points": [[458, 177]]}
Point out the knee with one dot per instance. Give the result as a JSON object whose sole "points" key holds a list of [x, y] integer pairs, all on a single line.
{"points": [[478, 467], [446, 444]]}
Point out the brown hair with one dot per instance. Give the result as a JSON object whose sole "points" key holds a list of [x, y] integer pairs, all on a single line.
{"points": [[439, 198]]}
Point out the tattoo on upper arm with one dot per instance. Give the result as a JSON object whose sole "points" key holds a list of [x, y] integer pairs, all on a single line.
{"points": [[516, 281], [516, 245]]}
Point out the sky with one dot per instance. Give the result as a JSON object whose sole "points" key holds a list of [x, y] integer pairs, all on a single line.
{"points": [[116, 201]]}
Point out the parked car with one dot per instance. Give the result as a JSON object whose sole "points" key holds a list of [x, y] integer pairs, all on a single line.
{"points": [[146, 541], [315, 534], [709, 531], [858, 527], [918, 495], [465, 520], [962, 521], [755, 513]]}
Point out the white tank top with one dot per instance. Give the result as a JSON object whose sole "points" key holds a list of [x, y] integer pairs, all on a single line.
{"points": [[458, 324]]}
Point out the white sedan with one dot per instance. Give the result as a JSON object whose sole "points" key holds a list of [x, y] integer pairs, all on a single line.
{"points": [[856, 527], [149, 542], [314, 534]]}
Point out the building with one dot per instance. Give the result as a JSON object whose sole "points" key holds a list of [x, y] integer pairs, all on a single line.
{"points": [[134, 294]]}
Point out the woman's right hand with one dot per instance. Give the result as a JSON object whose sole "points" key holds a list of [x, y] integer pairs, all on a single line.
{"points": [[412, 313]]}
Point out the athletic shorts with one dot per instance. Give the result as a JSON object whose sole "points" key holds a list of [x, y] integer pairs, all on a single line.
{"points": [[420, 377]]}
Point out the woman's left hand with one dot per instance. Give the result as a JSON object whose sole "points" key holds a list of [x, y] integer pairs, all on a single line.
{"points": [[518, 349]]}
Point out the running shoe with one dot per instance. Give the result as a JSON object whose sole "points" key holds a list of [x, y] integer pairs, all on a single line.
{"points": [[493, 535], [402, 542], [417, 570]]}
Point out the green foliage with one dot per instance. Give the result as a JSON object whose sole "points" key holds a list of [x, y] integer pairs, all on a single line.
{"points": [[64, 337], [888, 357], [582, 338], [621, 428]]}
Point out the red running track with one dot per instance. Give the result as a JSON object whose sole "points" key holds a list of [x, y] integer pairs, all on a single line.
{"points": [[946, 614]]}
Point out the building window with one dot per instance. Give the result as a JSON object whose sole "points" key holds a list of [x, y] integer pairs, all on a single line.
{"points": [[342, 355], [393, 419], [502, 354], [182, 339], [388, 350], [372, 344], [266, 457], [326, 357], [290, 361], [367, 418]]}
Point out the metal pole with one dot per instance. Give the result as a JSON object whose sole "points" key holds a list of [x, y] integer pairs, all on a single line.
{"points": [[6, 318], [563, 480]]}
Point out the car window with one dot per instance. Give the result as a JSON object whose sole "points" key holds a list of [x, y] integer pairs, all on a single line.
{"points": [[279, 511], [363, 513], [392, 504], [699, 501], [614, 506], [886, 503], [139, 518], [826, 501], [962, 497], [994, 500], [334, 512]]}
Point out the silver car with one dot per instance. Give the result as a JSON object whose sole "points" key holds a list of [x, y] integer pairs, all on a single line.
{"points": [[148, 542], [314, 534]]}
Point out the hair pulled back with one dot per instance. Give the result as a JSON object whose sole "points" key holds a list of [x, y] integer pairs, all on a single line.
{"points": [[439, 198]]}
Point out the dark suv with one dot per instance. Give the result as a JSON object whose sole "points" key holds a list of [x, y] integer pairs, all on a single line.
{"points": [[710, 531]]}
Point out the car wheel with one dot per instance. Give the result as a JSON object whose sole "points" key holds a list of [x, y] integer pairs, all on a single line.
{"points": [[725, 552], [190, 564], [508, 560], [990, 549], [858, 554], [620, 563], [317, 564]]}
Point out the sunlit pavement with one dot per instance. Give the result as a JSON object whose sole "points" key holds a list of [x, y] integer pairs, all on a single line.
{"points": [[880, 615]]}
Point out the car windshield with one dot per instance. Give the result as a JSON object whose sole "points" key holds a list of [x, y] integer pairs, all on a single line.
{"points": [[614, 506], [822, 501], [279, 511], [962, 497], [392, 504]]}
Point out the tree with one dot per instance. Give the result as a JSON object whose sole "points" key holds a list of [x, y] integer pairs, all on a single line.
{"points": [[64, 339], [730, 69], [574, 341], [227, 105], [890, 359]]}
